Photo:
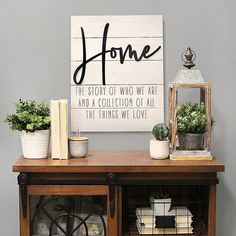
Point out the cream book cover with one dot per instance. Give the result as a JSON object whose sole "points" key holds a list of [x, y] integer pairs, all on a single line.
{"points": [[182, 215], [63, 128], [55, 129], [165, 231]]}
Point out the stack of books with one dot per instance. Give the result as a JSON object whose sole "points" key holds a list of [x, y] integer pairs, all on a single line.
{"points": [[59, 125], [149, 223]]}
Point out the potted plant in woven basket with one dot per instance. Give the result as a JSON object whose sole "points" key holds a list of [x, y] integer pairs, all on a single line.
{"points": [[33, 122], [159, 147], [191, 126]]}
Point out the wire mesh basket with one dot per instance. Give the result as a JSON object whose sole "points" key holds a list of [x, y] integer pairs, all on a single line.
{"points": [[184, 215]]}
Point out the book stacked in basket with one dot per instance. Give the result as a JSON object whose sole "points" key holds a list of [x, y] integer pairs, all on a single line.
{"points": [[176, 221]]}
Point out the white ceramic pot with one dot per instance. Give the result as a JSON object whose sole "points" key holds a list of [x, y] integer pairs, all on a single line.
{"points": [[159, 149], [160, 206], [35, 144]]}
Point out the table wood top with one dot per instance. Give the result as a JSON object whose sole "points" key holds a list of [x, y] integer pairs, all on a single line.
{"points": [[103, 161]]}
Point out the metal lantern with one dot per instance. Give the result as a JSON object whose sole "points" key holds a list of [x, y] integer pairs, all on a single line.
{"points": [[188, 79]]}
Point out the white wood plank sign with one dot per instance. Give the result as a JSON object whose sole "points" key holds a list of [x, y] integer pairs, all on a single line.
{"points": [[116, 73]]}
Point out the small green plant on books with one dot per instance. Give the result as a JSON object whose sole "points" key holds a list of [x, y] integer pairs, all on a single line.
{"points": [[29, 116], [160, 193], [160, 132], [160, 200]]}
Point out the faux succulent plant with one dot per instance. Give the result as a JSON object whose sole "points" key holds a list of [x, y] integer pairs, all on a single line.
{"points": [[160, 132]]}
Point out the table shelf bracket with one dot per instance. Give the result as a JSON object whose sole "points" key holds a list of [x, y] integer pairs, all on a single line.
{"points": [[112, 181], [23, 180]]}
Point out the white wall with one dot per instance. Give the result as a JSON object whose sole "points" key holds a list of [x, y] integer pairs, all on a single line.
{"points": [[35, 64]]}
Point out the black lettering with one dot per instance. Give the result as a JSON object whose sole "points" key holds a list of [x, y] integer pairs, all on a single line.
{"points": [[113, 53]]}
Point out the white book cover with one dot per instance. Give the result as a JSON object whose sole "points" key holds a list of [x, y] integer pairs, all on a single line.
{"points": [[165, 231], [182, 215], [186, 224], [63, 128]]}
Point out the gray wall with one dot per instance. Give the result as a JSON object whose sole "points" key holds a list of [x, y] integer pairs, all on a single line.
{"points": [[35, 64]]}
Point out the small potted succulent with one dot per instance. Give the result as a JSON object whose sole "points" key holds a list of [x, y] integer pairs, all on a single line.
{"points": [[191, 126], [160, 201], [159, 147], [33, 122]]}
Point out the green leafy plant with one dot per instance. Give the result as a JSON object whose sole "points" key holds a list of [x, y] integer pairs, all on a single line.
{"points": [[29, 116], [159, 193], [160, 132], [191, 118]]}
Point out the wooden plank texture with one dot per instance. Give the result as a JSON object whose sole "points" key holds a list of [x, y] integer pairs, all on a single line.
{"points": [[112, 223], [134, 123], [136, 161], [124, 102], [94, 46], [117, 50], [89, 190], [191, 158], [24, 222], [141, 26], [125, 75], [212, 211]]}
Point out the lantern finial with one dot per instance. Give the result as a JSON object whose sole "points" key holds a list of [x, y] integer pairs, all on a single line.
{"points": [[188, 57]]}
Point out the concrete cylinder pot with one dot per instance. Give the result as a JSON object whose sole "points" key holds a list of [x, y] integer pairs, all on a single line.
{"points": [[159, 149], [189, 141], [35, 144], [78, 146]]}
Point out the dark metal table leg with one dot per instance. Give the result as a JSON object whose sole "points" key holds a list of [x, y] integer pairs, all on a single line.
{"points": [[23, 180], [112, 180]]}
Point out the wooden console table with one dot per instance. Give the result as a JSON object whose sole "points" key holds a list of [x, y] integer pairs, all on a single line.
{"points": [[111, 174]]}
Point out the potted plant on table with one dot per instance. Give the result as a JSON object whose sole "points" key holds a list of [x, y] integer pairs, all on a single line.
{"points": [[160, 201], [33, 122], [159, 147], [191, 126]]}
